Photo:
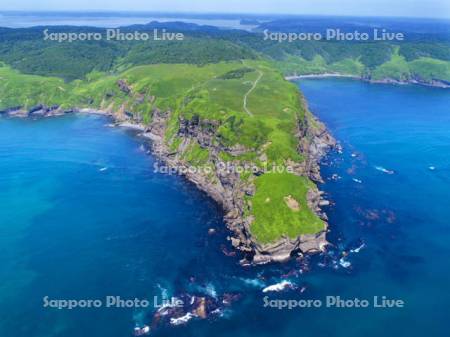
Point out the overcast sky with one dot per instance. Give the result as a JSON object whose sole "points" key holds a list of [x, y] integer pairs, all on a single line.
{"points": [[415, 8]]}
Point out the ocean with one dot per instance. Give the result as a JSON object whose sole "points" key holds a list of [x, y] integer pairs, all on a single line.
{"points": [[111, 19], [84, 216]]}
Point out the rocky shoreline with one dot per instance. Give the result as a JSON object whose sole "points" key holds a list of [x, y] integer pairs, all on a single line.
{"points": [[324, 75], [436, 83], [229, 191], [226, 188]]}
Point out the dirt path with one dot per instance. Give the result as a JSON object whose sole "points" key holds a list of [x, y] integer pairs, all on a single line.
{"points": [[249, 92]]}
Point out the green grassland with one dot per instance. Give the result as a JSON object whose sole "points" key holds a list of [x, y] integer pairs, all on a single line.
{"points": [[424, 68], [211, 92], [228, 82], [296, 65], [427, 57], [233, 85], [396, 67], [273, 217], [17, 89], [429, 68]]}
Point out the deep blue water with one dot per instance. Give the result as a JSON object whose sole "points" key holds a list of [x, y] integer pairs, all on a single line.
{"points": [[403, 217], [70, 230]]}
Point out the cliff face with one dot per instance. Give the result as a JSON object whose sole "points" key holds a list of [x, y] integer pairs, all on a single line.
{"points": [[230, 191], [226, 186], [206, 124], [314, 143]]}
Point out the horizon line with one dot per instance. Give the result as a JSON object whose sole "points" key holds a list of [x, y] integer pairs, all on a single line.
{"points": [[143, 13]]}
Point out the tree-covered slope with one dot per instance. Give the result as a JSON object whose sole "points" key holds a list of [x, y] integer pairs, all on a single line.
{"points": [[26, 50]]}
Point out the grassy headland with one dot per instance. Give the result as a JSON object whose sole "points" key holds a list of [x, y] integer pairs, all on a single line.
{"points": [[218, 97], [192, 94]]}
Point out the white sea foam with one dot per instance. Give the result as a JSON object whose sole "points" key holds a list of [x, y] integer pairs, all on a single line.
{"points": [[142, 331], [254, 282], [384, 170], [278, 286], [182, 320], [357, 250], [344, 263], [219, 312], [170, 304]]}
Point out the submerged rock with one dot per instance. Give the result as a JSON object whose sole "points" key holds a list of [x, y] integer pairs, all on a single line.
{"points": [[194, 306]]}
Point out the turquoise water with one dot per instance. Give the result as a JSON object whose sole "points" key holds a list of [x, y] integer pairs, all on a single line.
{"points": [[83, 216], [72, 230]]}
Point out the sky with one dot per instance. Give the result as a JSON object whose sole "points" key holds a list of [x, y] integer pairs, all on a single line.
{"points": [[411, 8]]}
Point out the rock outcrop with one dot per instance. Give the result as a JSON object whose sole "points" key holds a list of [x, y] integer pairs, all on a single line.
{"points": [[226, 186], [40, 110], [229, 190]]}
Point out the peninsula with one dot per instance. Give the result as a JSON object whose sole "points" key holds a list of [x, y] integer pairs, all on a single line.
{"points": [[236, 129], [217, 108]]}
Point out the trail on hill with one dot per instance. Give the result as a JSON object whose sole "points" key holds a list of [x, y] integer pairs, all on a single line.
{"points": [[249, 92]]}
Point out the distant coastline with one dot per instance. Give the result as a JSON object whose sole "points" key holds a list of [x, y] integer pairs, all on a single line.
{"points": [[323, 75], [434, 83], [319, 143]]}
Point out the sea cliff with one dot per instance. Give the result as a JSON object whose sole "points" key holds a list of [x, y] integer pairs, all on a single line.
{"points": [[228, 128], [230, 191], [226, 188]]}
